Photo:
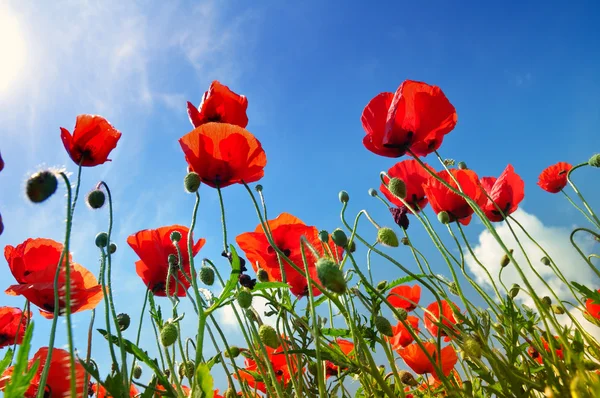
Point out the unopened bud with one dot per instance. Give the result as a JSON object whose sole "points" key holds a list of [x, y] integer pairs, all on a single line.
{"points": [[102, 240], [453, 288], [324, 236], [472, 348], [41, 186], [405, 241], [344, 197], [168, 334], [382, 285], [372, 192], [514, 290], [595, 160], [191, 182], [443, 217], [230, 393], [408, 379], [506, 259], [558, 309], [351, 247], [383, 326], [262, 275], [268, 336], [244, 298], [387, 236], [95, 199], [172, 259], [339, 238], [175, 236], [400, 314], [462, 166], [545, 260], [233, 352], [207, 275], [124, 321], [330, 275], [258, 188], [186, 369], [547, 301], [112, 248], [397, 187], [137, 372]]}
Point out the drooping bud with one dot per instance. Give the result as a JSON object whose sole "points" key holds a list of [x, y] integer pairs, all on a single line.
{"points": [[558, 309], [545, 260], [112, 248], [514, 290], [207, 275], [372, 192], [344, 197], [175, 236], [443, 217], [258, 188], [268, 336], [387, 236], [400, 314], [191, 182], [324, 236], [408, 379], [172, 259], [168, 334], [339, 238], [547, 301], [382, 285], [95, 199], [137, 372], [186, 369], [351, 247], [233, 352], [330, 275], [244, 298], [472, 348], [462, 166], [505, 259], [124, 321], [102, 240], [262, 275], [383, 326], [397, 187], [405, 241], [41, 186], [595, 160]]}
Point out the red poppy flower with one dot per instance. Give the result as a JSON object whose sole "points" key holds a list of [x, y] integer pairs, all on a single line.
{"points": [[414, 176], [507, 191], [58, 382], [537, 356], [287, 231], [432, 318], [277, 359], [224, 154], [554, 178], [405, 297], [12, 321], [417, 360], [592, 308], [92, 141], [102, 393], [434, 383], [33, 263], [416, 117], [442, 199], [346, 347], [219, 104], [186, 390], [401, 336], [153, 246]]}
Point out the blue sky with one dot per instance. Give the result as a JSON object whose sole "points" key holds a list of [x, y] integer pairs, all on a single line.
{"points": [[523, 78]]}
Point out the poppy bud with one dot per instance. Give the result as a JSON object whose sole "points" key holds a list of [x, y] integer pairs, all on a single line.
{"points": [[268, 336], [191, 182], [175, 236], [251, 315], [547, 301], [246, 281], [230, 393], [324, 236], [339, 238], [244, 299], [102, 240], [330, 275], [207, 275], [387, 236], [443, 217], [514, 290], [472, 348], [545, 260], [400, 314], [233, 352], [262, 275], [96, 199], [462, 166], [258, 188], [372, 192], [172, 259], [137, 372], [344, 197], [383, 326], [405, 241], [558, 310], [397, 187], [408, 379], [351, 247], [123, 320], [112, 248], [167, 373], [382, 285], [505, 259], [453, 288], [168, 334], [41, 186], [186, 369], [595, 160]]}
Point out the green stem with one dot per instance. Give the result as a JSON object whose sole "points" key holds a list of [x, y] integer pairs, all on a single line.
{"points": [[585, 204], [139, 331]]}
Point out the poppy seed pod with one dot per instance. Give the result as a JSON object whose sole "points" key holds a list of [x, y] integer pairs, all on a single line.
{"points": [[372, 192], [123, 320], [186, 369], [168, 334], [268, 336], [175, 236], [397, 187], [191, 182], [95, 199], [137, 372], [233, 352], [383, 326], [387, 236], [244, 299], [339, 238], [262, 275], [443, 217], [101, 240], [330, 275], [207, 275], [41, 186], [324, 236], [595, 160], [344, 197]]}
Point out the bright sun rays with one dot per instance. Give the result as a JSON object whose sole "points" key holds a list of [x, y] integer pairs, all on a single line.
{"points": [[12, 50]]}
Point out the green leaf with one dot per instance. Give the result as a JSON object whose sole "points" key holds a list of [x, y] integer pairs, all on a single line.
{"points": [[21, 377], [231, 283], [336, 332], [213, 361], [6, 360], [590, 294], [93, 371], [406, 279], [142, 356], [150, 390], [271, 285], [320, 301], [203, 382]]}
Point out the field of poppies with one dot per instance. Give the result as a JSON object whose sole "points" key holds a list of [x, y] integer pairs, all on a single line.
{"points": [[337, 331]]}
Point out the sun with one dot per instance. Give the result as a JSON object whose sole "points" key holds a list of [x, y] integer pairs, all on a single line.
{"points": [[12, 49]]}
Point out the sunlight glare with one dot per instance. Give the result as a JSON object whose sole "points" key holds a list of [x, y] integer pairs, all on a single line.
{"points": [[12, 49]]}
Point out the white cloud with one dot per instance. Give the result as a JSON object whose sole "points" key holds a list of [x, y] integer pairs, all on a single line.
{"points": [[554, 240], [226, 315]]}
